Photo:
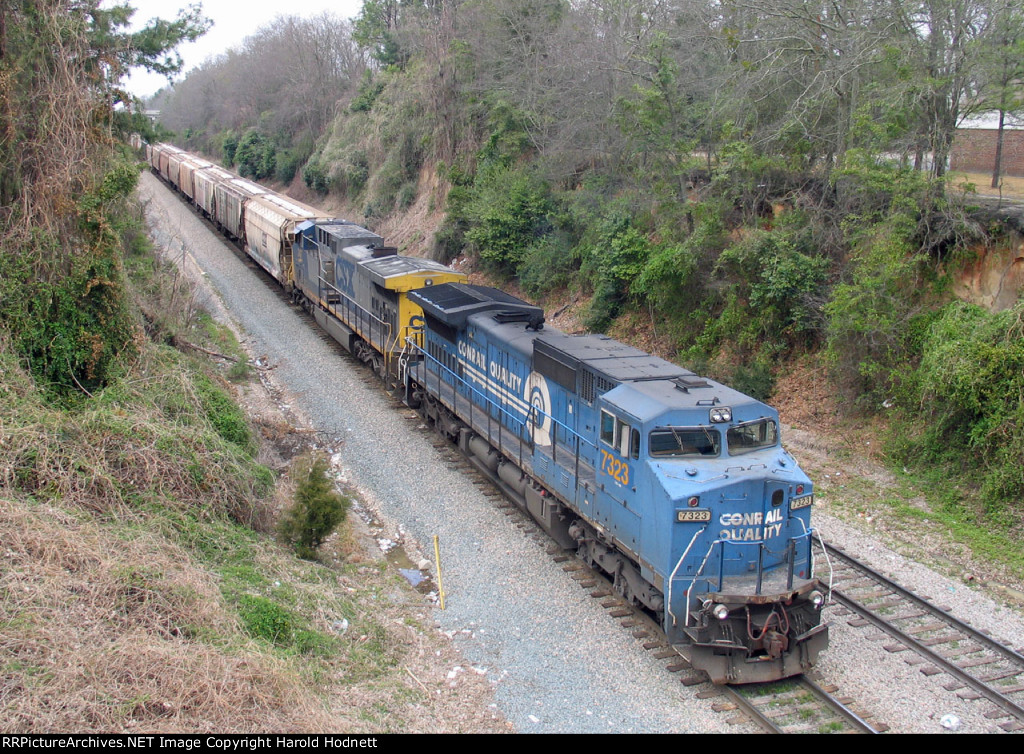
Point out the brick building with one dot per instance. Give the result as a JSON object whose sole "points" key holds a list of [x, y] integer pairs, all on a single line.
{"points": [[974, 147]]}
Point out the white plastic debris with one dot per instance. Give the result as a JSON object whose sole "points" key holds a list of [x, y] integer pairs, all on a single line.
{"points": [[950, 722]]}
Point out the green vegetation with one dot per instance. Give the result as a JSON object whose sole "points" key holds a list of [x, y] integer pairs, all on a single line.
{"points": [[255, 156], [968, 386], [757, 205], [140, 586], [316, 512]]}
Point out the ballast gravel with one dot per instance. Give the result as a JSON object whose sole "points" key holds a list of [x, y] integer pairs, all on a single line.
{"points": [[558, 662]]}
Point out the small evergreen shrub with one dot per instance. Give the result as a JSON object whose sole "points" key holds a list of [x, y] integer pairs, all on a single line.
{"points": [[318, 509]]}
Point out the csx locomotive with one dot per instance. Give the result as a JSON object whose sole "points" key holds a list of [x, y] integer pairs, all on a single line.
{"points": [[676, 486]]}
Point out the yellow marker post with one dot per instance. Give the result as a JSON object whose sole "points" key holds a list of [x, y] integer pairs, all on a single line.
{"points": [[437, 561]]}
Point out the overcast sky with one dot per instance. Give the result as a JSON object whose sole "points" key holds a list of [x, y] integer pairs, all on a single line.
{"points": [[233, 21]]}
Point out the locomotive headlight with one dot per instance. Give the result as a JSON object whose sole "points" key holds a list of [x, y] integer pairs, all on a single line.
{"points": [[720, 611], [720, 415], [816, 598]]}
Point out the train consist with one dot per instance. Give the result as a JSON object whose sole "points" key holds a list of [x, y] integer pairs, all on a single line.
{"points": [[676, 486]]}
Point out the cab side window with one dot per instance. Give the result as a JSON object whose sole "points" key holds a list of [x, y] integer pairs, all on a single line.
{"points": [[607, 429], [619, 435]]}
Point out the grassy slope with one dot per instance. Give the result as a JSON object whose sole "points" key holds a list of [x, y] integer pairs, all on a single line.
{"points": [[135, 596]]}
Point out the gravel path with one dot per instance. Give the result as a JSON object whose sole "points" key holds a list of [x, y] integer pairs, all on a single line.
{"points": [[558, 662]]}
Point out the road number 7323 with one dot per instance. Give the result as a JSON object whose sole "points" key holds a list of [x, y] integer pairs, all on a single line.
{"points": [[613, 467]]}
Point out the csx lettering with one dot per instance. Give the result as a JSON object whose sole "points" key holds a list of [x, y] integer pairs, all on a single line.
{"points": [[614, 468], [344, 276]]}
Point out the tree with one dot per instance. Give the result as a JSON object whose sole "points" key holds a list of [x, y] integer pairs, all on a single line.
{"points": [[61, 283], [61, 66], [376, 29], [317, 510], [804, 68], [255, 155], [288, 79], [1000, 82], [939, 43]]}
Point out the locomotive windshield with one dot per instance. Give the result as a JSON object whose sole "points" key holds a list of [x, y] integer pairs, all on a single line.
{"points": [[744, 438], [681, 441]]}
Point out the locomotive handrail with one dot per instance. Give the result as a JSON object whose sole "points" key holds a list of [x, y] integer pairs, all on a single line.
{"points": [[521, 426], [352, 303], [812, 532], [760, 544], [457, 379], [361, 313], [672, 577], [533, 410]]}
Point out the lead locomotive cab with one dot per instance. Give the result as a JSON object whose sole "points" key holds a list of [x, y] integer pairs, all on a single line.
{"points": [[723, 533]]}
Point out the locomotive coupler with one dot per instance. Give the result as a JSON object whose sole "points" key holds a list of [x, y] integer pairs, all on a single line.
{"points": [[775, 644]]}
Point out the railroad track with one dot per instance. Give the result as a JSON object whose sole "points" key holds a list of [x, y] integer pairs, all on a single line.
{"points": [[807, 716], [798, 705], [794, 706], [979, 666]]}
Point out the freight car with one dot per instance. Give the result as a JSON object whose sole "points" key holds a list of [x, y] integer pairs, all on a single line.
{"points": [[676, 486]]}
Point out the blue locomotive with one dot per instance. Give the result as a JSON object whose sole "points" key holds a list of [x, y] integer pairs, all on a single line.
{"points": [[674, 485]]}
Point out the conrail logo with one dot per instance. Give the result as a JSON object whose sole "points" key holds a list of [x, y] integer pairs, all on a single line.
{"points": [[500, 374], [750, 527], [538, 397]]}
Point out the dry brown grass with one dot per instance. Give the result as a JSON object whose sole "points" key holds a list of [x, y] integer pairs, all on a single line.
{"points": [[99, 632], [122, 586], [147, 440], [116, 629], [1012, 186]]}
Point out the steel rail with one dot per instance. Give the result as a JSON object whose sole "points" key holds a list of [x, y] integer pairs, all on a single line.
{"points": [[966, 628], [751, 710], [838, 707], [946, 665]]}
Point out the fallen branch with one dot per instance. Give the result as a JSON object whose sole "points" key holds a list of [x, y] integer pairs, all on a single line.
{"points": [[180, 342]]}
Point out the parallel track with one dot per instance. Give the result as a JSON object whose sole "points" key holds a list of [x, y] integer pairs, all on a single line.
{"points": [[975, 661], [797, 705], [814, 708]]}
